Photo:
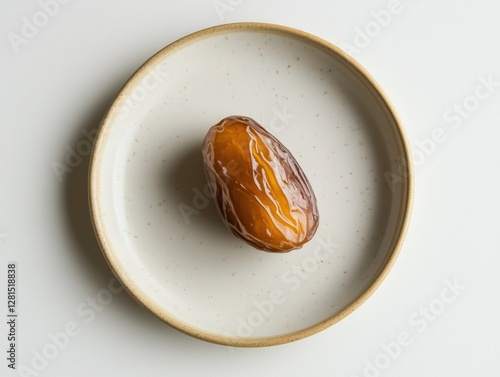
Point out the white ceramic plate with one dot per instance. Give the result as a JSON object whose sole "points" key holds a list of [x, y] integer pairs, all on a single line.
{"points": [[161, 234]]}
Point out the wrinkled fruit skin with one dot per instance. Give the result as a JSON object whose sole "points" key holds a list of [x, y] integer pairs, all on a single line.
{"points": [[259, 188]]}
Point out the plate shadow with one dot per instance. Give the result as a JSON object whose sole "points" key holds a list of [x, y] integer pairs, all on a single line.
{"points": [[76, 210]]}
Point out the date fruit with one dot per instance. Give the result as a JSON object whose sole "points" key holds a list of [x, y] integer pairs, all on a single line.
{"points": [[259, 188]]}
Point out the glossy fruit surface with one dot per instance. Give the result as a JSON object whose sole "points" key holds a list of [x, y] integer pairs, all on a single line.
{"points": [[260, 190]]}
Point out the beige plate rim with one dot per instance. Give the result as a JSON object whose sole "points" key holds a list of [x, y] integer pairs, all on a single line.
{"points": [[94, 184]]}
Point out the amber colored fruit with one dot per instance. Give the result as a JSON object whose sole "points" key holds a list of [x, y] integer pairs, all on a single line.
{"points": [[260, 190]]}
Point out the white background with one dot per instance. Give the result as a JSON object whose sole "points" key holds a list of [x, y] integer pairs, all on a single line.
{"points": [[432, 58]]}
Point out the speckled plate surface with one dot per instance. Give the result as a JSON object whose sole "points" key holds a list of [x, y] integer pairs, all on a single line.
{"points": [[160, 231]]}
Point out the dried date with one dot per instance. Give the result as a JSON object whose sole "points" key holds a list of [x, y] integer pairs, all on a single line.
{"points": [[261, 192]]}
